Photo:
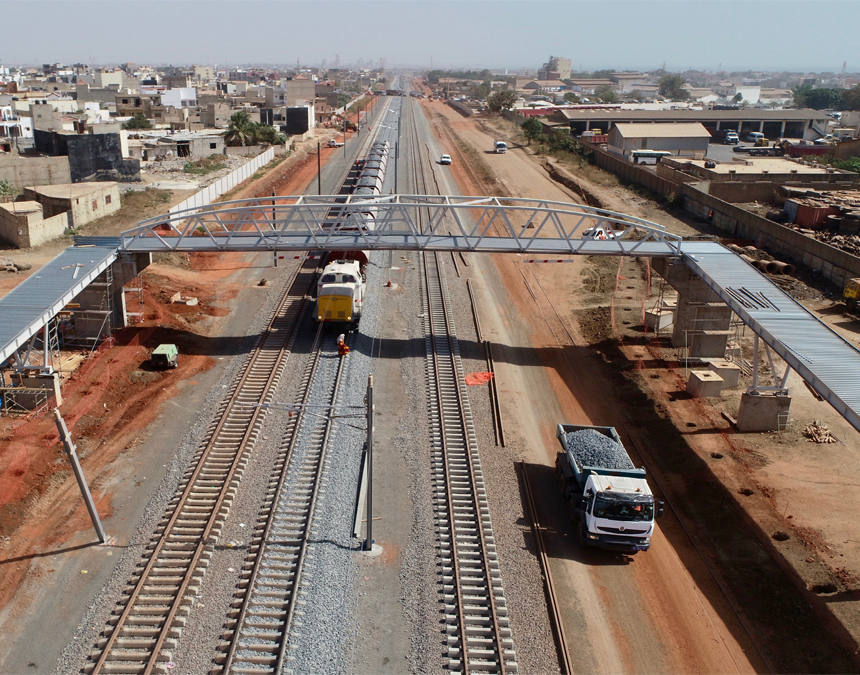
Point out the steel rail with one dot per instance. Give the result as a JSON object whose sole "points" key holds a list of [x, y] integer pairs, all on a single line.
{"points": [[282, 535], [555, 619], [202, 502], [482, 644]]}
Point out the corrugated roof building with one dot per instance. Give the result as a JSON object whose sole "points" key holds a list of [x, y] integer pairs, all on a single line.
{"points": [[686, 139]]}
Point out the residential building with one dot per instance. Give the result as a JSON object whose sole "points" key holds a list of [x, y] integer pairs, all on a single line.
{"points": [[86, 202]]}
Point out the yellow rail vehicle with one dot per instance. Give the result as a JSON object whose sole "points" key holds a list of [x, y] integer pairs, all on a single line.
{"points": [[340, 294]]}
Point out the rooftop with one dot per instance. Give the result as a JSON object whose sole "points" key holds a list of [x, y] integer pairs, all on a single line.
{"points": [[70, 190], [693, 115], [21, 207], [759, 164], [652, 130]]}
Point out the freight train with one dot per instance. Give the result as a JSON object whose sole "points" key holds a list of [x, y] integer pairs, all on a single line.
{"points": [[341, 287], [367, 187]]}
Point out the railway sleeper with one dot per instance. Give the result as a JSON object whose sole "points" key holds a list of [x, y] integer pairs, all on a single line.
{"points": [[131, 656]]}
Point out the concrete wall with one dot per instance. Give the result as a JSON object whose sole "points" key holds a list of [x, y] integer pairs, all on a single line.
{"points": [[25, 171], [780, 241], [634, 173], [99, 158], [29, 229], [83, 208]]}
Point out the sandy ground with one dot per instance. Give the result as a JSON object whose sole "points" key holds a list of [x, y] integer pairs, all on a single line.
{"points": [[701, 458]]}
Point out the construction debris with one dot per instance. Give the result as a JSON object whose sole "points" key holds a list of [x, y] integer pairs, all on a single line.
{"points": [[818, 432]]}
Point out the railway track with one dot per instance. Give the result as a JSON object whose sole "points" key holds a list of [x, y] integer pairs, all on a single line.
{"points": [[475, 609], [148, 621], [476, 616], [259, 627]]}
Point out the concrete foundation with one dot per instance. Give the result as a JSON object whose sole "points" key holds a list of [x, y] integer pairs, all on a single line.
{"points": [[704, 383], [659, 319], [730, 372], [761, 412], [28, 391], [702, 320]]}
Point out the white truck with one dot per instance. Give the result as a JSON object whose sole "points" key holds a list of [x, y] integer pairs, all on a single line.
{"points": [[500, 147], [608, 499], [333, 143]]}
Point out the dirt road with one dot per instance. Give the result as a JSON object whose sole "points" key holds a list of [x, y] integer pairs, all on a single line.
{"points": [[704, 598]]}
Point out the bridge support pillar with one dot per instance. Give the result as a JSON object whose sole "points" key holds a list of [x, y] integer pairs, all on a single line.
{"points": [[702, 321], [764, 412]]}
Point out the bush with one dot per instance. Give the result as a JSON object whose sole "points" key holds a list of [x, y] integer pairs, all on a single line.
{"points": [[850, 164]]}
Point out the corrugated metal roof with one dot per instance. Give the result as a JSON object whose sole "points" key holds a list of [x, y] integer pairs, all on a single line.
{"points": [[692, 115], [678, 130], [31, 304], [828, 362]]}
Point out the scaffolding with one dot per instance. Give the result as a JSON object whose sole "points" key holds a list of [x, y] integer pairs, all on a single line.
{"points": [[92, 324], [134, 300]]}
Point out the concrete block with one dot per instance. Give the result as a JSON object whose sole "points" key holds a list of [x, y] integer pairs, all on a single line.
{"points": [[730, 372], [704, 383], [659, 319], [759, 412]]}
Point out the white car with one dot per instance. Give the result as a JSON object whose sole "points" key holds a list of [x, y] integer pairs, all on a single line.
{"points": [[600, 233], [445, 159]]}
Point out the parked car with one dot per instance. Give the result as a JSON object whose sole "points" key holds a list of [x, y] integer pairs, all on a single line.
{"points": [[754, 136], [445, 159]]}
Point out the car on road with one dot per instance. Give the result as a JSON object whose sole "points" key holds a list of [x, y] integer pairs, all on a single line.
{"points": [[600, 233], [445, 159]]}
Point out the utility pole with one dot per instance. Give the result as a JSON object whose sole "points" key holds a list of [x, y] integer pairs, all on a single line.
{"points": [[319, 169], [368, 542], [344, 134], [70, 448], [274, 217]]}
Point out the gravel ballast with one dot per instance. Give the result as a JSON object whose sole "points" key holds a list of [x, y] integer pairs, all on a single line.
{"points": [[591, 448]]}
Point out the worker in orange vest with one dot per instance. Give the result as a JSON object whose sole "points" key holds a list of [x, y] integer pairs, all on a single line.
{"points": [[342, 348]]}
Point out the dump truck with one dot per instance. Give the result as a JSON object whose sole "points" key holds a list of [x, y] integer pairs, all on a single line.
{"points": [[165, 356], [607, 497]]}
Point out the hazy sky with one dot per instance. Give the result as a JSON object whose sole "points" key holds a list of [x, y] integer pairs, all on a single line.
{"points": [[753, 34]]}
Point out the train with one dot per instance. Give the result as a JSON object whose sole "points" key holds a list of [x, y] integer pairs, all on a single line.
{"points": [[367, 187], [341, 288]]}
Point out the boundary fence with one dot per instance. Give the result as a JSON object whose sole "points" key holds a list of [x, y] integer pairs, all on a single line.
{"points": [[209, 194]]}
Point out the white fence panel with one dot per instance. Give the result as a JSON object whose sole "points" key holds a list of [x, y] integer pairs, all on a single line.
{"points": [[209, 194]]}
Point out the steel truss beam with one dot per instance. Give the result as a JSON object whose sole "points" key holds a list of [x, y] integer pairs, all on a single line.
{"points": [[406, 222]]}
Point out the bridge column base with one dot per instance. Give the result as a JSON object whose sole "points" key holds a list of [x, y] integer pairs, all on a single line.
{"points": [[763, 412]]}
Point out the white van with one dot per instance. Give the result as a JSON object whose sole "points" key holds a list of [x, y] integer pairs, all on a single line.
{"points": [[501, 147], [754, 136]]}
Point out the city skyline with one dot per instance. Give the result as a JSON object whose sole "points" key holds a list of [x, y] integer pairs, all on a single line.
{"points": [[422, 33]]}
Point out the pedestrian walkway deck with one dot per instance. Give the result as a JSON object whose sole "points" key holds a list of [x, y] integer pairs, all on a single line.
{"points": [[29, 306]]}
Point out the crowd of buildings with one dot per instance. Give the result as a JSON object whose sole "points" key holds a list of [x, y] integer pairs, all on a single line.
{"points": [[81, 113]]}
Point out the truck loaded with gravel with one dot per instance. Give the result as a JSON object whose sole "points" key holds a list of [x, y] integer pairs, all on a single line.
{"points": [[608, 498]]}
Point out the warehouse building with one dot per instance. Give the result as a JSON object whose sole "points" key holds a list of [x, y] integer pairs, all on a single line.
{"points": [[690, 139], [806, 124]]}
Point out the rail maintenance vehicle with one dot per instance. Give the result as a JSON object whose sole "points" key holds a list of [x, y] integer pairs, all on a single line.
{"points": [[608, 499], [340, 292]]}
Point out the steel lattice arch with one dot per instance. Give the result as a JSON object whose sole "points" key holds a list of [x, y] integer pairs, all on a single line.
{"points": [[402, 222]]}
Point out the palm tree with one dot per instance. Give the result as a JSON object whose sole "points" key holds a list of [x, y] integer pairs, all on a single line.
{"points": [[241, 129]]}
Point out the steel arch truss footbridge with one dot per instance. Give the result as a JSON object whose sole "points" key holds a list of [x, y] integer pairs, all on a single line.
{"points": [[405, 222]]}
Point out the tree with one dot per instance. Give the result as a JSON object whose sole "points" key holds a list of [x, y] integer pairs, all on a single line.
{"points": [[817, 99], [637, 95], [501, 100], [602, 74], [738, 97], [139, 121], [532, 128], [606, 94], [263, 133], [482, 90], [672, 86], [571, 97], [851, 98], [241, 129]]}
